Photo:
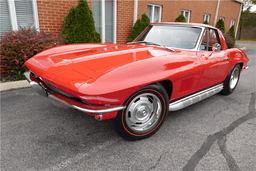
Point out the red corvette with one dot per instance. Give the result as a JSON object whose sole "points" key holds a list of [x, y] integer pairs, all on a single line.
{"points": [[166, 68]]}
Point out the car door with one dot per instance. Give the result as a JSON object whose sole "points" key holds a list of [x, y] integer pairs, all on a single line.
{"points": [[216, 64]]}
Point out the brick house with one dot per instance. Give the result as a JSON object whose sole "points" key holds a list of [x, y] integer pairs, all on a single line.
{"points": [[115, 18]]}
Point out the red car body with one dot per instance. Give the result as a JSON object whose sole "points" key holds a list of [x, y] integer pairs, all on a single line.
{"points": [[106, 75]]}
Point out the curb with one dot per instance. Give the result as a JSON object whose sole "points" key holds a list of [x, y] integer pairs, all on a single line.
{"points": [[14, 85], [242, 48]]}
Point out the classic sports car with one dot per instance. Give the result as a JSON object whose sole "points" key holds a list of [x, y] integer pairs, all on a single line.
{"points": [[169, 66]]}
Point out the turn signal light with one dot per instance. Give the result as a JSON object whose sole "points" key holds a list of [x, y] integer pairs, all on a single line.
{"points": [[98, 116]]}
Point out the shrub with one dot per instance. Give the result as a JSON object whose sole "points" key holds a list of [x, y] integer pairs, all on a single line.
{"points": [[220, 25], [180, 18], [78, 25], [18, 46], [232, 31], [205, 22], [139, 26], [229, 40]]}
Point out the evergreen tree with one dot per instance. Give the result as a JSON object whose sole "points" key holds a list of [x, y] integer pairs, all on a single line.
{"points": [[205, 22], [232, 32], [180, 18], [78, 25], [247, 20], [220, 25], [139, 26]]}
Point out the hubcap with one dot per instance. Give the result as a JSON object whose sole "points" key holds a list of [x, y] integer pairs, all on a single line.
{"points": [[143, 113], [234, 78]]}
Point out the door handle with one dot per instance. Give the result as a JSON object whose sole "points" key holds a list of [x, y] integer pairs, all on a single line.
{"points": [[226, 59]]}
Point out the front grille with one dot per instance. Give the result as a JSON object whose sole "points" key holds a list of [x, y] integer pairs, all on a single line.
{"points": [[59, 91], [56, 90]]}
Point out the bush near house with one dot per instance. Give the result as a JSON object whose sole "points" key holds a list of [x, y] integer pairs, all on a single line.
{"points": [[220, 25], [78, 25], [180, 18], [205, 22], [232, 32], [18, 46], [139, 26], [230, 41]]}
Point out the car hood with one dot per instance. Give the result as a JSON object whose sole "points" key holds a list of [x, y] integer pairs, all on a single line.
{"points": [[77, 64]]}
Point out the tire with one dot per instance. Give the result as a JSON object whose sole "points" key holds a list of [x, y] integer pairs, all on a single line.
{"points": [[231, 80], [144, 114]]}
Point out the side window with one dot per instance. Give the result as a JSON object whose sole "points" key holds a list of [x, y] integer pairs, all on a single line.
{"points": [[209, 39], [203, 46], [212, 38]]}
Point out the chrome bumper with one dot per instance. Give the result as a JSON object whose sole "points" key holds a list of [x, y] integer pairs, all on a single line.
{"points": [[246, 67], [65, 102]]}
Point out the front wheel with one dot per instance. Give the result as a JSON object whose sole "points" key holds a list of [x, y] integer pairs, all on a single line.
{"points": [[231, 81], [144, 114]]}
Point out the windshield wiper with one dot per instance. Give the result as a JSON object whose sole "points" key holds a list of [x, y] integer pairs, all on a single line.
{"points": [[156, 44]]}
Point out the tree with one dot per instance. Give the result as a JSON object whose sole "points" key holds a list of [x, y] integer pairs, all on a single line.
{"points": [[139, 26], [232, 32], [78, 25], [229, 40], [248, 3], [180, 18], [221, 25], [247, 20], [205, 22]]}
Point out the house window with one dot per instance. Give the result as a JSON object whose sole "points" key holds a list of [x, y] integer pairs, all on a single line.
{"points": [[186, 14], [18, 13], [222, 18], [206, 18], [154, 12], [104, 14], [232, 22]]}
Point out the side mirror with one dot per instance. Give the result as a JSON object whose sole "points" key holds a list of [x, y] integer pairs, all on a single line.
{"points": [[216, 47]]}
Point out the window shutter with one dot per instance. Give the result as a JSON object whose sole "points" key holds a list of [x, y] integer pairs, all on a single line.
{"points": [[5, 23], [24, 13]]}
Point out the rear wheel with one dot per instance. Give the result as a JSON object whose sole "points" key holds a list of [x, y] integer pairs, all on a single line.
{"points": [[144, 114], [231, 81]]}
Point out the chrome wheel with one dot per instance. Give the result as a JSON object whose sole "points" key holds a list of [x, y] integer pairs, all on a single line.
{"points": [[234, 78], [143, 113], [231, 80]]}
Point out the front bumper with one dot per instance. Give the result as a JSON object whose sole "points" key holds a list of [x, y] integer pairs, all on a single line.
{"points": [[65, 102]]}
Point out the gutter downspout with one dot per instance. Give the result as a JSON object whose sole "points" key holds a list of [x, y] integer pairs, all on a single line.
{"points": [[217, 11], [135, 11], [237, 25]]}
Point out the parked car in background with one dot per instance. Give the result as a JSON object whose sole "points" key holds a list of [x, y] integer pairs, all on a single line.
{"points": [[166, 68]]}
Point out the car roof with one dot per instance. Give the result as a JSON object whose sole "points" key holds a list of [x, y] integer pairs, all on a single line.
{"points": [[183, 23]]}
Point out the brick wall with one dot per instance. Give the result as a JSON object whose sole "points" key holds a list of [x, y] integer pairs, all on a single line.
{"points": [[172, 9], [4, 70], [51, 13], [125, 12], [229, 9]]}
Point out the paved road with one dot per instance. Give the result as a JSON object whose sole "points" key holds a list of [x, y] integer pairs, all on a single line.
{"points": [[215, 134]]}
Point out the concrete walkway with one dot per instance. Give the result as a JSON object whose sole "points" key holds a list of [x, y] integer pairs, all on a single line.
{"points": [[14, 85]]}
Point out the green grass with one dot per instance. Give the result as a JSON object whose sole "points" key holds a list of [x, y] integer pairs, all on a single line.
{"points": [[246, 39]]}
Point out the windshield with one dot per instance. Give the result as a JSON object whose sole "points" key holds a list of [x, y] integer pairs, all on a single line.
{"points": [[171, 36]]}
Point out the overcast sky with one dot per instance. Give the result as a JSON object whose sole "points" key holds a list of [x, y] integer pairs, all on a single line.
{"points": [[253, 8]]}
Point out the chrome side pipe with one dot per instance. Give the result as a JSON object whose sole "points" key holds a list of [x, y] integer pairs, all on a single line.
{"points": [[194, 98]]}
